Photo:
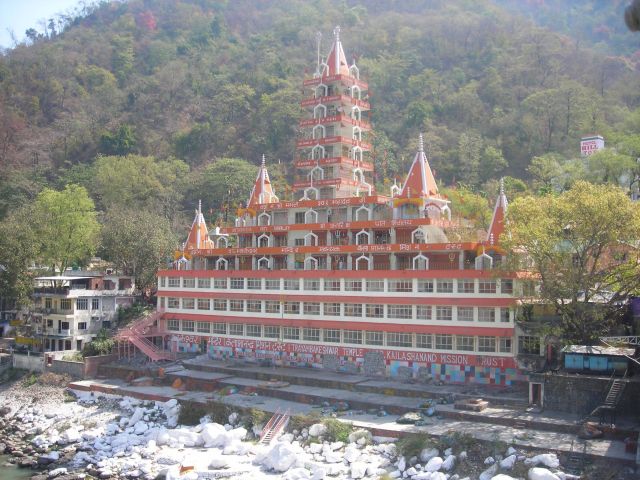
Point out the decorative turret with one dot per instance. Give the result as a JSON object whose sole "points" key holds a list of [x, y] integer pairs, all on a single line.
{"points": [[199, 234], [337, 60], [497, 221], [262, 191]]}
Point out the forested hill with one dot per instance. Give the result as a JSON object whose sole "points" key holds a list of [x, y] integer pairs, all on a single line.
{"points": [[187, 83]]}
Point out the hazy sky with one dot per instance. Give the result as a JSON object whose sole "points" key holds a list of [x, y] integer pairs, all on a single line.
{"points": [[19, 15]]}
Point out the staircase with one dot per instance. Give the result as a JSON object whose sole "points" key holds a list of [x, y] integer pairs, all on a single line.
{"points": [[274, 427], [576, 460], [610, 403], [137, 333]]}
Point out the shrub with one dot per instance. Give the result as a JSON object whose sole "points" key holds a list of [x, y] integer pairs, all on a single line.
{"points": [[29, 380], [101, 345], [298, 422], [411, 445], [337, 431]]}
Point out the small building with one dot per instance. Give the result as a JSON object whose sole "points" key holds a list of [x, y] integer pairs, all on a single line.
{"points": [[596, 359]]}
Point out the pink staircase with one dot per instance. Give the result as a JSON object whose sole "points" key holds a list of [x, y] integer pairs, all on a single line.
{"points": [[137, 334], [274, 427]]}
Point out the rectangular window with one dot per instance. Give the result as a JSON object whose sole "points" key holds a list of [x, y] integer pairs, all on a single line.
{"points": [[486, 344], [444, 285], [188, 326], [352, 336], [486, 314], [163, 281], [220, 304], [203, 327], [163, 302], [506, 286], [254, 330], [271, 306], [65, 304], [220, 283], [444, 341], [504, 345], [465, 343], [424, 340], [82, 325], [291, 333], [204, 283], [236, 305], [425, 286], [331, 285], [272, 284], [331, 335], [49, 323], [504, 315], [173, 302], [299, 217], [332, 309], [486, 285], [375, 310], [352, 285], [400, 311], [353, 309], [375, 285], [254, 283], [465, 314], [374, 338], [174, 282], [220, 328], [189, 282], [292, 284], [311, 334], [400, 286], [311, 284], [466, 285], [292, 308], [529, 345], [271, 331], [95, 304], [398, 339], [47, 302], [82, 304], [237, 283], [423, 312], [254, 306], [189, 303], [236, 329], [444, 313], [311, 308], [173, 325], [204, 304]]}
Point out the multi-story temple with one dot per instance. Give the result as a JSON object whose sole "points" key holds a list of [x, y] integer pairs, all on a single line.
{"points": [[343, 277]]}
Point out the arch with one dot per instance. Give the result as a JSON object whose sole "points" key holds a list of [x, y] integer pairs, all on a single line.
{"points": [[366, 211], [311, 216], [323, 132], [354, 71], [363, 237], [311, 263], [484, 262], [222, 239], [356, 133], [317, 108], [264, 219], [310, 239], [357, 153], [359, 260], [321, 90], [356, 92], [316, 173], [264, 240], [264, 263], [420, 262], [395, 190], [356, 113], [358, 175], [318, 152], [311, 193], [419, 236], [222, 264]]}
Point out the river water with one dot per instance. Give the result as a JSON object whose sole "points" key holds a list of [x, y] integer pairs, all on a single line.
{"points": [[14, 473]]}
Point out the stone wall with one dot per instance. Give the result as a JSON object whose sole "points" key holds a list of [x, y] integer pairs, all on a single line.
{"points": [[73, 369], [33, 363], [91, 364]]}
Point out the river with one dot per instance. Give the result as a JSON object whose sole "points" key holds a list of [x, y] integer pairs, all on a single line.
{"points": [[14, 473]]}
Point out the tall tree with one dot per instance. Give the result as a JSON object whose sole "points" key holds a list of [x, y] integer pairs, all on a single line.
{"points": [[583, 245]]}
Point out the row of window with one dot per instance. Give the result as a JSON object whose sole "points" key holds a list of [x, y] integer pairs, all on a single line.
{"points": [[441, 285], [67, 303], [332, 309], [467, 343]]}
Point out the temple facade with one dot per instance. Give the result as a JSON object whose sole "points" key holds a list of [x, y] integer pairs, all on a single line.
{"points": [[343, 277]]}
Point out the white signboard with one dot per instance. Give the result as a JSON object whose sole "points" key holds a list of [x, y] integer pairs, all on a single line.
{"points": [[590, 145]]}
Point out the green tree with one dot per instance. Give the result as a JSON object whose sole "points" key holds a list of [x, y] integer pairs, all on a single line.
{"points": [[120, 142], [66, 227], [583, 247]]}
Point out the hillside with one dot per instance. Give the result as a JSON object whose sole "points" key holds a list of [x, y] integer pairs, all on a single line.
{"points": [[195, 81]]}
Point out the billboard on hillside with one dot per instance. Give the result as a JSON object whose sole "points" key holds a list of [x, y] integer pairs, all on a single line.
{"points": [[590, 145]]}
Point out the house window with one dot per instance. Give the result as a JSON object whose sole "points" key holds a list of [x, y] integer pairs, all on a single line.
{"points": [[173, 302], [486, 314], [204, 304], [397, 339], [444, 285], [173, 325], [375, 285], [423, 312], [465, 314], [163, 281], [65, 304], [291, 284], [220, 283], [299, 217], [486, 344], [332, 285], [529, 345], [189, 282], [254, 283], [444, 341], [272, 284], [504, 345], [374, 338], [353, 285], [271, 331], [291, 333], [353, 309], [174, 282], [424, 340], [332, 309], [444, 313], [375, 310], [204, 283], [188, 303], [311, 284], [82, 304], [466, 286], [254, 306], [220, 304], [95, 304], [311, 334], [400, 286], [82, 325], [237, 283], [352, 336], [400, 311], [203, 327], [487, 286], [254, 330], [271, 306], [220, 328], [425, 286], [504, 315], [47, 303], [465, 343], [292, 308], [236, 305], [331, 335], [311, 308], [236, 329], [506, 286], [188, 326]]}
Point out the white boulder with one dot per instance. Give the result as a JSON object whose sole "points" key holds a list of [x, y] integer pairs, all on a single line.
{"points": [[509, 462], [547, 459], [317, 429], [428, 453], [358, 470], [538, 473], [434, 464]]}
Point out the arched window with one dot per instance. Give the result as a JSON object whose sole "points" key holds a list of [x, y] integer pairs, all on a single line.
{"points": [[362, 238], [356, 153], [264, 219], [319, 111], [321, 90], [418, 236], [363, 263], [356, 92], [356, 113], [264, 240], [420, 262], [222, 264], [263, 263], [310, 263], [319, 132], [222, 242], [354, 71], [484, 262], [356, 133], [317, 152], [310, 239], [316, 173], [362, 214], [311, 216], [311, 193]]}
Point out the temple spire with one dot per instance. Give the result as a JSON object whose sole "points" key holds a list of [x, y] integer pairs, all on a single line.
{"points": [[262, 191], [420, 180], [499, 212], [199, 234], [337, 60]]}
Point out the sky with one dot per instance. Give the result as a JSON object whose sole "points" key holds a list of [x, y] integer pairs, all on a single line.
{"points": [[19, 15]]}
